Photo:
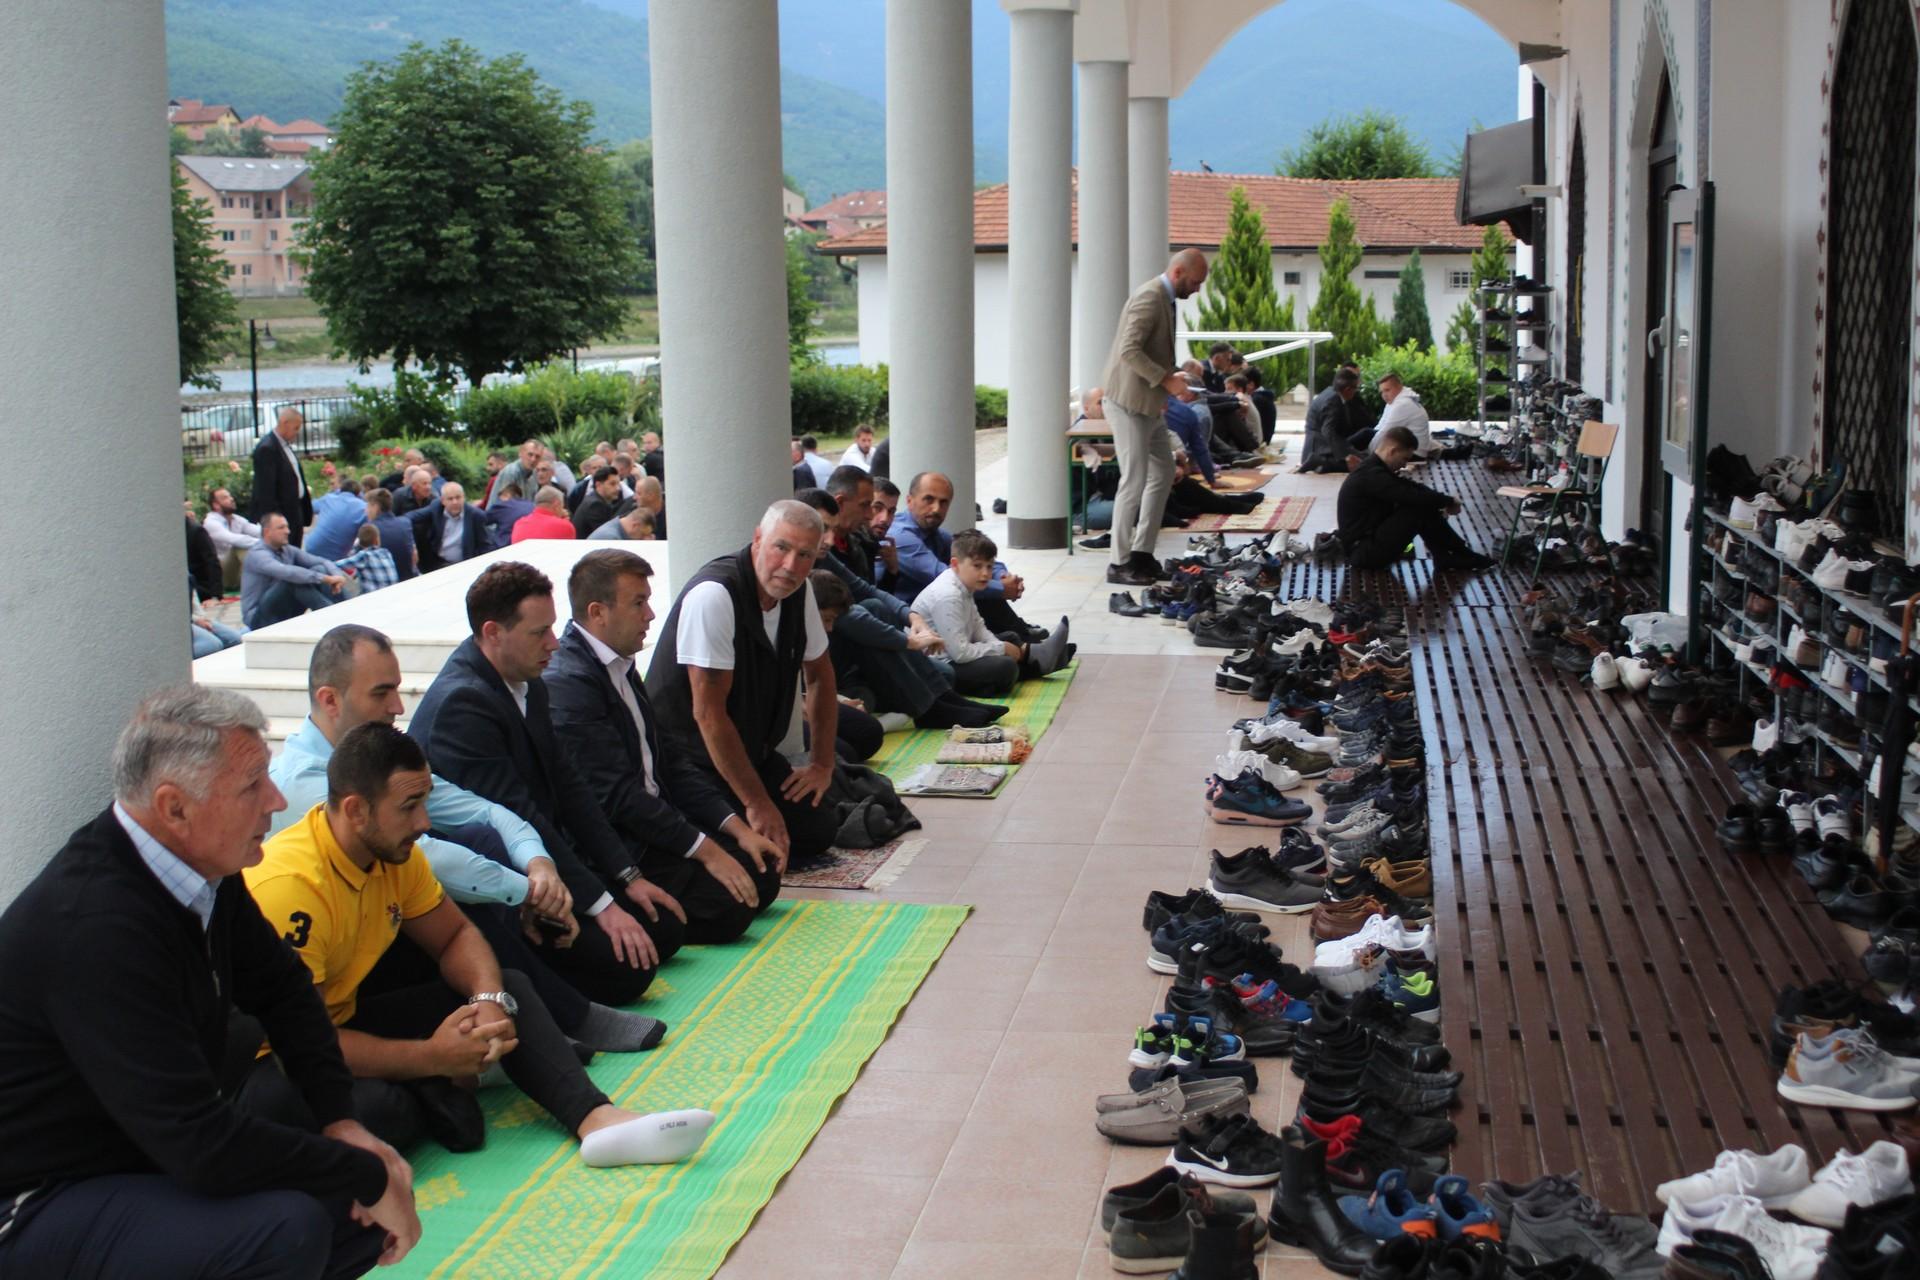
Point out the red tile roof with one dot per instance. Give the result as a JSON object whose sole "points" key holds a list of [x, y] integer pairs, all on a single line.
{"points": [[264, 124], [193, 111], [854, 204], [1392, 213], [304, 125], [288, 147]]}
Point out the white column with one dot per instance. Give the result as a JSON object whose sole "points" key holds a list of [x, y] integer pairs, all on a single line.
{"points": [[930, 243], [1039, 268], [87, 337], [1147, 160], [1102, 269], [723, 281]]}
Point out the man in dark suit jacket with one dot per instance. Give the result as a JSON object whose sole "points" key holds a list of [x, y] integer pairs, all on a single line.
{"points": [[1329, 423], [396, 532], [600, 503], [486, 726], [278, 485], [673, 815], [430, 524]]}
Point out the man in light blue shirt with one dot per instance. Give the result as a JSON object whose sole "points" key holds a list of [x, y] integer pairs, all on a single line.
{"points": [[279, 581], [337, 516], [354, 677]]}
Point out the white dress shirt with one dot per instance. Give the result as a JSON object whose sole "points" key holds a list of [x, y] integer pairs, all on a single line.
{"points": [[453, 552], [229, 532], [618, 669]]}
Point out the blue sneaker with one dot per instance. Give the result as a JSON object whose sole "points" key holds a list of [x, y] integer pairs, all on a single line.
{"points": [[1391, 1210], [1414, 994], [1459, 1213], [1198, 1044], [1245, 801]]}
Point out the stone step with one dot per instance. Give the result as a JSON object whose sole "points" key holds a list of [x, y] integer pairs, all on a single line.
{"points": [[282, 692]]}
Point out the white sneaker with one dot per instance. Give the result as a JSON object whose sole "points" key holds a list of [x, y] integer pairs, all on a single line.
{"points": [[1740, 514], [1317, 612], [1296, 644], [1801, 648], [1772, 1179], [1832, 818], [1791, 538], [1880, 1173], [1832, 573], [1347, 969], [1635, 674], [1834, 670], [1799, 807], [1287, 730], [1405, 939], [1790, 1252], [1606, 672], [1235, 763], [1766, 735]]}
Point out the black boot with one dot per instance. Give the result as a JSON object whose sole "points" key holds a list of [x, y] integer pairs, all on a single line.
{"points": [[1305, 1214], [1219, 1247]]}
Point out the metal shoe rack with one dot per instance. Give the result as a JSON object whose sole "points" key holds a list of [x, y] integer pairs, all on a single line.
{"points": [[1730, 624], [1532, 322]]}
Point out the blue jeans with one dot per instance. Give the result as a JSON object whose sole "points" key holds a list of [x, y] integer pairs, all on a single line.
{"points": [[285, 600], [221, 637]]}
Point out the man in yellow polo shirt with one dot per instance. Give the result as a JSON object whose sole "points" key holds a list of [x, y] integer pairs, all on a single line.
{"points": [[344, 885]]}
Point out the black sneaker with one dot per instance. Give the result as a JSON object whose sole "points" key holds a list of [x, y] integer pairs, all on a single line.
{"points": [[1235, 953], [1230, 1152], [1194, 904], [1251, 879]]}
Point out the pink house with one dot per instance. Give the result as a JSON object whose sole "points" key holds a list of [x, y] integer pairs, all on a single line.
{"points": [[257, 207]]}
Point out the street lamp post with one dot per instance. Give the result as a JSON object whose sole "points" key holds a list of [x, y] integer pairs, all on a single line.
{"points": [[257, 336]]}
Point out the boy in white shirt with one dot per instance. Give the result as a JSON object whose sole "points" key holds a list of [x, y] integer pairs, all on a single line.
{"points": [[984, 665]]}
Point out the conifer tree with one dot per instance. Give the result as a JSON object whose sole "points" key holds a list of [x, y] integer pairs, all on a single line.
{"points": [[1410, 321], [1339, 308], [1489, 263], [1240, 295]]}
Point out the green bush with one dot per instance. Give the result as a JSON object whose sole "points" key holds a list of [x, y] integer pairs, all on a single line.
{"points": [[551, 398], [464, 461], [415, 406], [832, 401], [352, 432], [1446, 383], [989, 407]]}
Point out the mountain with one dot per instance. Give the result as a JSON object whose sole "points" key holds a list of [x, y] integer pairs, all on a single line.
{"points": [[1431, 62], [290, 58]]}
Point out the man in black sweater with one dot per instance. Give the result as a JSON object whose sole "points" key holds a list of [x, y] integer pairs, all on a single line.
{"points": [[1381, 512], [121, 1152]]}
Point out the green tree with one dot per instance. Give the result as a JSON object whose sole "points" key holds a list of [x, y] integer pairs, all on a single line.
{"points": [[222, 141], [800, 305], [1240, 294], [1489, 263], [178, 143], [1372, 144], [631, 168], [1410, 320], [1339, 308], [462, 220], [203, 309]]}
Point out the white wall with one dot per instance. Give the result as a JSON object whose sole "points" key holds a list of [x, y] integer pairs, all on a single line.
{"points": [[992, 296]]}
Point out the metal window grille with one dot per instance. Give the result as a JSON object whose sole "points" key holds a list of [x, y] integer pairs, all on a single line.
{"points": [[1576, 248], [1870, 256]]}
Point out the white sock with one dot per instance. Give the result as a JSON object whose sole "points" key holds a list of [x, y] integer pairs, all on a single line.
{"points": [[660, 1138]]}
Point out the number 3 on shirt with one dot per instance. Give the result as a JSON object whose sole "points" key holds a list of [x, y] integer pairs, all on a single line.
{"points": [[302, 929]]}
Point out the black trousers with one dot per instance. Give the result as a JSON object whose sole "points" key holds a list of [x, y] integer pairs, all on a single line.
{"points": [[713, 915], [998, 614], [148, 1225], [544, 1065], [1389, 540], [810, 828], [589, 968], [1196, 498], [860, 734]]}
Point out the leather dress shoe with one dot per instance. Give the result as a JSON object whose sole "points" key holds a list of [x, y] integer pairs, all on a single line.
{"points": [[1305, 1214], [1861, 901], [1736, 831]]}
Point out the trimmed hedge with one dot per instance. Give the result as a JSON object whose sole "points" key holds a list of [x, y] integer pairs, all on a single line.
{"points": [[1446, 383], [832, 400], [989, 407], [550, 398]]}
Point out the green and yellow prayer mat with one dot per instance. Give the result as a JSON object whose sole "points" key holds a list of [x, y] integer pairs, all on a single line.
{"points": [[1034, 704], [766, 1033]]}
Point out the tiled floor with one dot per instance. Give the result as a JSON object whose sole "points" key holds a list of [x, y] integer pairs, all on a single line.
{"points": [[967, 1146]]}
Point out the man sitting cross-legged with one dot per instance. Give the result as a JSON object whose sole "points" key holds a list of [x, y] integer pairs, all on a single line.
{"points": [[688, 839], [279, 581], [1381, 512], [983, 663], [726, 674], [344, 885], [520, 896], [485, 723], [121, 1150]]}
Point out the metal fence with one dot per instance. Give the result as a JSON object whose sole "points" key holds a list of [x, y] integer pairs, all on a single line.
{"points": [[217, 432]]}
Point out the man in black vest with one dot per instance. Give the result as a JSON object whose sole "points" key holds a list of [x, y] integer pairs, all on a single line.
{"points": [[671, 813], [121, 1150], [727, 671], [486, 726]]}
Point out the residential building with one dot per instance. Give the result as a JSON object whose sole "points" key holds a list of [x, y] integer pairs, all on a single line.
{"points": [[1391, 218], [845, 214], [194, 117], [792, 204], [257, 206]]}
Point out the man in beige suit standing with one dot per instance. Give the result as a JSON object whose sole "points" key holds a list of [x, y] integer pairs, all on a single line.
{"points": [[1141, 373]]}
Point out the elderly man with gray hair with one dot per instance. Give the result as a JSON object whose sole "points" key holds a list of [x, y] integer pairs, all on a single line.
{"points": [[121, 1149], [1141, 373], [726, 678]]}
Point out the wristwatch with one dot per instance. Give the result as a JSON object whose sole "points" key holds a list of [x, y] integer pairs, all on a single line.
{"points": [[502, 998]]}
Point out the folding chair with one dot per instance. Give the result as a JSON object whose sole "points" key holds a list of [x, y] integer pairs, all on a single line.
{"points": [[1590, 455]]}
